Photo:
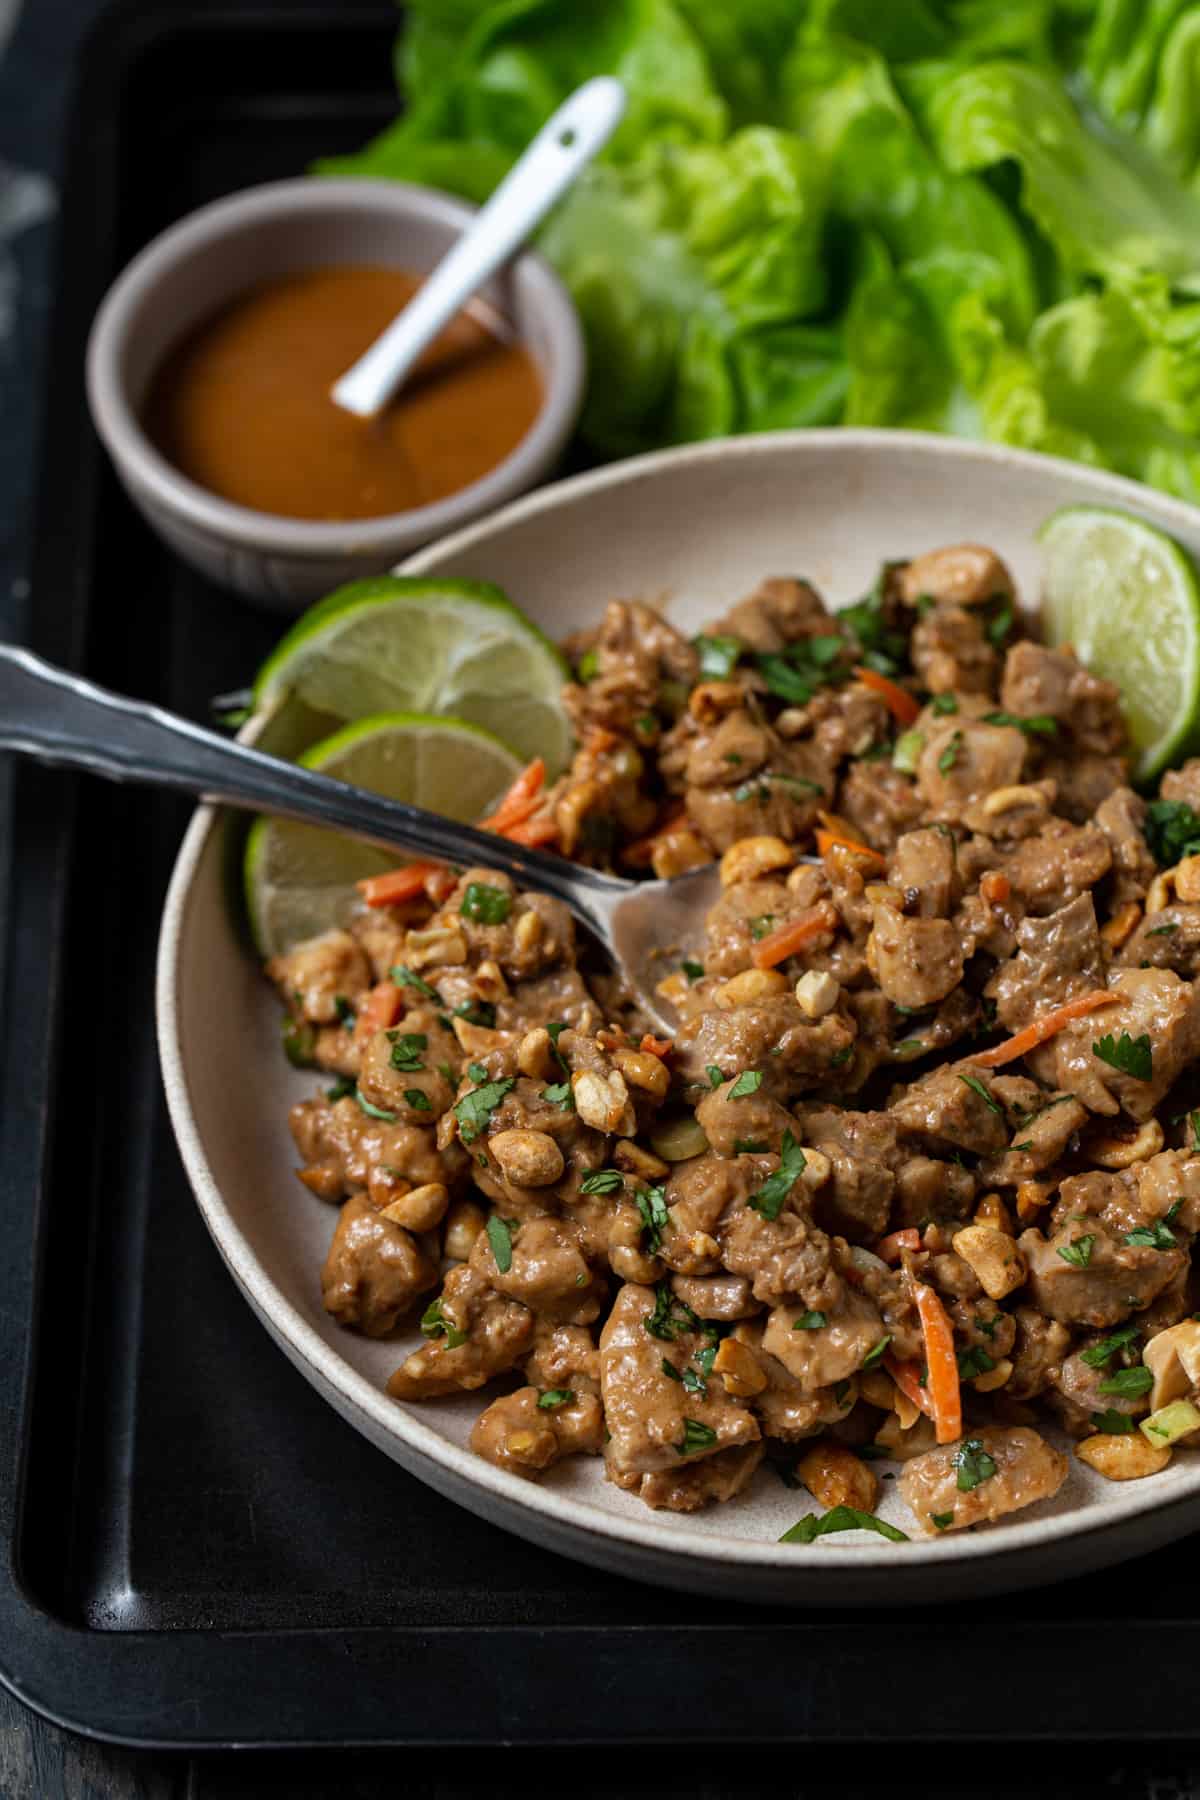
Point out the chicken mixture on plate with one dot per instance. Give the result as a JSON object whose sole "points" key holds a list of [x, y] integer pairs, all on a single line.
{"points": [[920, 1169]]}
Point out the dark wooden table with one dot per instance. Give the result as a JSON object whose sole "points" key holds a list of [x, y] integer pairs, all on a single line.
{"points": [[42, 1762]]}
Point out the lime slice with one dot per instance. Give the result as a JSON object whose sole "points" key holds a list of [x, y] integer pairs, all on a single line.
{"points": [[399, 644], [299, 879], [1126, 596]]}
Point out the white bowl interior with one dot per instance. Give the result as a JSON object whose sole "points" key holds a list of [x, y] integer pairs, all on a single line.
{"points": [[695, 528]]}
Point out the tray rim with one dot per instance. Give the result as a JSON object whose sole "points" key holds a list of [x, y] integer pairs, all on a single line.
{"points": [[155, 1689]]}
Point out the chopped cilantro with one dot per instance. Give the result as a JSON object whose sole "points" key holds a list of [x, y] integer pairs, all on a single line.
{"points": [[1158, 1236], [406, 979], [669, 1370], [695, 1437], [775, 1189], [976, 1086], [810, 1321], [999, 627], [652, 1206], [1129, 1056], [484, 904], [694, 1383], [718, 656], [1107, 1348], [559, 1094], [434, 1324], [1129, 1383], [795, 673], [1164, 930], [1111, 1420], [475, 1109], [747, 1083], [841, 1056], [374, 1112], [749, 1146], [944, 703], [1172, 831], [760, 926], [972, 1464], [1033, 725], [601, 1181], [715, 1077], [841, 1518], [942, 1520], [693, 970], [418, 1099], [555, 1397], [588, 666], [343, 1086], [949, 755], [670, 1317], [500, 1238], [875, 1354], [344, 1009], [1078, 1254], [406, 1048], [477, 1012], [973, 1362]]}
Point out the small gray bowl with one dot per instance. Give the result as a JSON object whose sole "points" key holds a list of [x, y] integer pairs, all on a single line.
{"points": [[218, 252]]}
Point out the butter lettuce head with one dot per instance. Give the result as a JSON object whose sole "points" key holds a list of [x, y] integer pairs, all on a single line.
{"points": [[977, 216]]}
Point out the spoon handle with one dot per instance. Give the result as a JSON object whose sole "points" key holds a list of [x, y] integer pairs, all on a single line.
{"points": [[562, 148], [62, 719]]}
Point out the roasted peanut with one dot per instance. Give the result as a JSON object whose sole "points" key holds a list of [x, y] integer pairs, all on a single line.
{"points": [[752, 857], [642, 1070], [535, 1054], [1032, 1196], [992, 1211], [464, 1222], [1121, 927], [817, 993], [994, 1378], [994, 1257], [1014, 799], [836, 1477], [602, 1100], [739, 1369], [878, 1389], [749, 987], [421, 1208], [711, 700], [527, 932], [439, 944], [489, 982], [527, 1158], [1122, 1455], [677, 851], [1187, 878], [629, 1157], [1158, 894], [477, 1040], [1173, 1358], [1114, 1152]]}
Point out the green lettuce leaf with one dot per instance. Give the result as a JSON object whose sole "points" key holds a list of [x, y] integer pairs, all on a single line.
{"points": [[1103, 208], [682, 265]]}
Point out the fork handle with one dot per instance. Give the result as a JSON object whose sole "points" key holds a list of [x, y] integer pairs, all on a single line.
{"points": [[63, 720]]}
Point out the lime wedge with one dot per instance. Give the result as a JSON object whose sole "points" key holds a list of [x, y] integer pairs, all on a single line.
{"points": [[1126, 596], [299, 879], [399, 644]]}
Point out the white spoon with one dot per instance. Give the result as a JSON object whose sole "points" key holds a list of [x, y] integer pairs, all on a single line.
{"points": [[564, 146]]}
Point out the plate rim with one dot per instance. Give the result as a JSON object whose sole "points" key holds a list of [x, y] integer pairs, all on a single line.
{"points": [[665, 1535]]}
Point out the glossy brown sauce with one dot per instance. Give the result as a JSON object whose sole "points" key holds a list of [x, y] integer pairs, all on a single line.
{"points": [[242, 405]]}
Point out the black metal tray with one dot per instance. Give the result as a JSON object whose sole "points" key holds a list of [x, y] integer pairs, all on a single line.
{"points": [[200, 1552]]}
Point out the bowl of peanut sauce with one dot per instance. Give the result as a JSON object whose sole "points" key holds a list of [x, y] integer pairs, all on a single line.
{"points": [[211, 359]]}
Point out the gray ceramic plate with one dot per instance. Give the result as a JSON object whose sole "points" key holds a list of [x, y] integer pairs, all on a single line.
{"points": [[696, 526]]}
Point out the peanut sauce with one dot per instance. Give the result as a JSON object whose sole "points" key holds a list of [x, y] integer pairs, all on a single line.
{"points": [[241, 406]]}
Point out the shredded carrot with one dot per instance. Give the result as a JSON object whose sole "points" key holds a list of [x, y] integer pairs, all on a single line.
{"points": [[905, 1375], [381, 1008], [640, 851], [995, 888], [890, 1247], [1043, 1028], [785, 940], [535, 833], [522, 798], [827, 839], [899, 702], [657, 1046], [941, 1364], [397, 885]]}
